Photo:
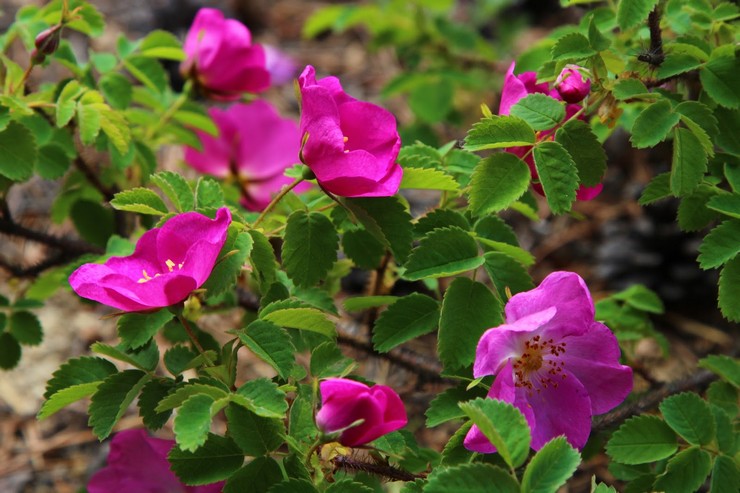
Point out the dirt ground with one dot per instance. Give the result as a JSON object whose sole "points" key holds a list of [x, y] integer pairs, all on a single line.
{"points": [[616, 244]]}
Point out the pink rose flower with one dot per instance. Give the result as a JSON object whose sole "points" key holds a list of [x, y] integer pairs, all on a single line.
{"points": [[221, 57], [571, 85], [138, 463], [282, 67], [255, 145], [344, 402], [168, 263], [352, 145], [553, 362], [520, 86]]}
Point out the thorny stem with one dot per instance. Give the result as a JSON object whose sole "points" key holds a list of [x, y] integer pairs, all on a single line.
{"points": [[384, 470], [194, 340], [275, 201]]}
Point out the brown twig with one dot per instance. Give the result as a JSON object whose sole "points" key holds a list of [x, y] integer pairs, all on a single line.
{"points": [[383, 470]]}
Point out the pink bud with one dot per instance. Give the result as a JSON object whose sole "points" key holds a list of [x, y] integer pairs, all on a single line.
{"points": [[47, 40], [571, 85], [360, 413]]}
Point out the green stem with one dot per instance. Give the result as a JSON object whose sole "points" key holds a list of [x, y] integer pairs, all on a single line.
{"points": [[194, 340], [275, 201]]}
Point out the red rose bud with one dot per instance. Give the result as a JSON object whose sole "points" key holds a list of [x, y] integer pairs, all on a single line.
{"points": [[47, 41], [37, 58], [571, 85]]}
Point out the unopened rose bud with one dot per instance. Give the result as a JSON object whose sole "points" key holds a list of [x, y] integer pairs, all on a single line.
{"points": [[47, 41], [37, 58], [571, 85]]}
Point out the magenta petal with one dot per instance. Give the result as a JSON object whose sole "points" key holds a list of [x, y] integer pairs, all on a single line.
{"points": [[588, 193], [370, 128], [564, 290], [504, 342], [512, 92], [565, 410], [594, 359], [282, 67]]}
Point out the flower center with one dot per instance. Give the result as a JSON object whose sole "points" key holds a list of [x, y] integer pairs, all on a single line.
{"points": [[539, 366], [345, 139], [170, 267]]}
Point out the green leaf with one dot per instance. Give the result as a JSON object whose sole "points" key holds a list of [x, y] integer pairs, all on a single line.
{"points": [[642, 298], [540, 111], [179, 396], [642, 439], [727, 204], [516, 253], [630, 13], [176, 188], [208, 194], [117, 90], [262, 397], [720, 245], [61, 399], [551, 466], [162, 44], [445, 406], [728, 124], [685, 472], [677, 63], [653, 124], [18, 152], [254, 434], [719, 79], [262, 259], [178, 358], [152, 393], [76, 371], [729, 290], [270, 343], [584, 147], [505, 272], [309, 248], [10, 351], [53, 162], [112, 399], [596, 39], [431, 101], [231, 259], [309, 319], [504, 426], [689, 416], [147, 71], [197, 120], [256, 477], [726, 367], [443, 252], [136, 329], [409, 317], [215, 461], [689, 162], [145, 359], [471, 478], [328, 361], [454, 451], [349, 486], [428, 179], [193, 421], [25, 327], [469, 308], [725, 396], [630, 88], [572, 46], [496, 132], [699, 113], [419, 155], [141, 200], [558, 175], [693, 213], [725, 475], [658, 188], [440, 218], [66, 105], [359, 303], [363, 248], [385, 218], [497, 181]]}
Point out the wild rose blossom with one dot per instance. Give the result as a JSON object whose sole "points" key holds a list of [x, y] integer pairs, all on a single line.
{"points": [[520, 86], [352, 145], [571, 85], [168, 263], [282, 67], [553, 362], [344, 402], [221, 57], [138, 463], [255, 145]]}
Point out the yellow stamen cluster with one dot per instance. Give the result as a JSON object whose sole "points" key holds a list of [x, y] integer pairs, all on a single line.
{"points": [[536, 354], [170, 267]]}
